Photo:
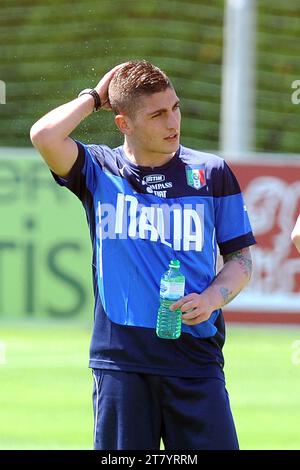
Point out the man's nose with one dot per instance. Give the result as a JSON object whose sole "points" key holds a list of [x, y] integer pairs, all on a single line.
{"points": [[173, 122]]}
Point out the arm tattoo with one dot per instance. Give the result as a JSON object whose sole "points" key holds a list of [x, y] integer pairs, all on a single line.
{"points": [[227, 295], [243, 257]]}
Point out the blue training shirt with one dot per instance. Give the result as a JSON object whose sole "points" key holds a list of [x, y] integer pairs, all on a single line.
{"points": [[140, 218]]}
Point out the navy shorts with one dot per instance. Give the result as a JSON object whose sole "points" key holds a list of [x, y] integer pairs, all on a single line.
{"points": [[134, 411]]}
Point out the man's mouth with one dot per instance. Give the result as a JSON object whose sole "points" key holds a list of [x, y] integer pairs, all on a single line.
{"points": [[171, 137]]}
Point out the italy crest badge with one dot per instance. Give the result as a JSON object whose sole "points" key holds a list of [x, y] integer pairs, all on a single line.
{"points": [[195, 176]]}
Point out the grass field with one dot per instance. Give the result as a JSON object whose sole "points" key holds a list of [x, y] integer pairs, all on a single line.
{"points": [[45, 387]]}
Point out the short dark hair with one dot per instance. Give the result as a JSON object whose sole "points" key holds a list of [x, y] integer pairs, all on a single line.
{"points": [[130, 82]]}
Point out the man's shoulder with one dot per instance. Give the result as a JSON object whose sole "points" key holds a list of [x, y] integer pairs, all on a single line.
{"points": [[102, 154], [196, 157], [98, 149]]}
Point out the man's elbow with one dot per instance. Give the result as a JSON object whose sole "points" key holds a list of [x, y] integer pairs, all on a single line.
{"points": [[39, 136]]}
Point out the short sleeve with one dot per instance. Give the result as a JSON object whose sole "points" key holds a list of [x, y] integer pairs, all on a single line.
{"points": [[233, 228], [82, 176]]}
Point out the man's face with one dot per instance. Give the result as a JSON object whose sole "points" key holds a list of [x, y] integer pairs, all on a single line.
{"points": [[155, 128]]}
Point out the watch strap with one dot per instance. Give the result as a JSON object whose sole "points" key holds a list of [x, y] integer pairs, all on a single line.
{"points": [[95, 95]]}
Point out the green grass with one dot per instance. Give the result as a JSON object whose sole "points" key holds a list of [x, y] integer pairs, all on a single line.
{"points": [[264, 386], [46, 387]]}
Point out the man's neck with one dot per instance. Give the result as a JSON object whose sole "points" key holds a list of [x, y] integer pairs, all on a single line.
{"points": [[140, 158]]}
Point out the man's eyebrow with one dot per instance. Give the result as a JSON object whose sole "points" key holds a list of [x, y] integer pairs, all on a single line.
{"points": [[162, 110]]}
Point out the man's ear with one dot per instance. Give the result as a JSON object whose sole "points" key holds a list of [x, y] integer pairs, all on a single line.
{"points": [[123, 123]]}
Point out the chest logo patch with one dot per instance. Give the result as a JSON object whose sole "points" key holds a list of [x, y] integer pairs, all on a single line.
{"points": [[195, 176], [153, 179]]}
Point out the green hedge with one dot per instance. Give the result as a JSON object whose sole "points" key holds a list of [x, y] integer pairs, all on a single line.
{"points": [[50, 50]]}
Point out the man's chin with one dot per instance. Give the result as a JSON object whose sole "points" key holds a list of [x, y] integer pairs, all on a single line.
{"points": [[171, 147]]}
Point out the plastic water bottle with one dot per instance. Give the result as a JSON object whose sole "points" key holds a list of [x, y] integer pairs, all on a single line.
{"points": [[172, 282]]}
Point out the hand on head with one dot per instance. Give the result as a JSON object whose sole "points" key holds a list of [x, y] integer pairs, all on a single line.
{"points": [[102, 86]]}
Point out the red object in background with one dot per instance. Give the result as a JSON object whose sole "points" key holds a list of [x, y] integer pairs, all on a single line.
{"points": [[272, 195]]}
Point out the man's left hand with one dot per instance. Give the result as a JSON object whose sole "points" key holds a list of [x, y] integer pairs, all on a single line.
{"points": [[195, 308]]}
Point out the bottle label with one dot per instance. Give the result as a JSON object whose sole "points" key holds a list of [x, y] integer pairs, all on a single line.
{"points": [[171, 290]]}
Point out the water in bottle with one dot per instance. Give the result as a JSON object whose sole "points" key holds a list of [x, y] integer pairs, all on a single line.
{"points": [[172, 282]]}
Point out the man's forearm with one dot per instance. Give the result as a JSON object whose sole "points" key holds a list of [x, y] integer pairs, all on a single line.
{"points": [[61, 122], [50, 134], [231, 279]]}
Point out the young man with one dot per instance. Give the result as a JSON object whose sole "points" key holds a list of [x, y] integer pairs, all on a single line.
{"points": [[295, 235], [147, 202]]}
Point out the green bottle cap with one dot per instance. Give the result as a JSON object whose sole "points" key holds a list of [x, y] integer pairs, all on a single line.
{"points": [[174, 264]]}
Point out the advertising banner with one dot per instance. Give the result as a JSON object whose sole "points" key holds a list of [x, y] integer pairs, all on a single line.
{"points": [[45, 250], [271, 187]]}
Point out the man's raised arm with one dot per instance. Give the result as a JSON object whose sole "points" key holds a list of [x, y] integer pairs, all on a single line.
{"points": [[50, 134]]}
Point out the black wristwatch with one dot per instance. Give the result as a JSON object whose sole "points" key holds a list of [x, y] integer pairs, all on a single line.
{"points": [[94, 93]]}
